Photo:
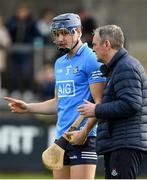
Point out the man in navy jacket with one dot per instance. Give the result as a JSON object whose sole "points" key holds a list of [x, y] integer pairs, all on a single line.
{"points": [[122, 115]]}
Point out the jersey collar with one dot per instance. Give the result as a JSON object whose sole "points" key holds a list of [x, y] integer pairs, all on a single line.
{"points": [[79, 51], [81, 48]]}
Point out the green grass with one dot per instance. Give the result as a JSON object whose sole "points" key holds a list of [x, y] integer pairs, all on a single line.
{"points": [[27, 175], [35, 175]]}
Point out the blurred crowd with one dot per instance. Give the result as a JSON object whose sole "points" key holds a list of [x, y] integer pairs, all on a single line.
{"points": [[23, 38]]}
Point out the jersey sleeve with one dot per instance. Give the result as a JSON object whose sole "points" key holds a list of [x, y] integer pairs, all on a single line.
{"points": [[93, 70]]}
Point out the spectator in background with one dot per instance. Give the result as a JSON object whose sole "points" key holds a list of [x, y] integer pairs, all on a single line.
{"points": [[45, 82], [22, 29], [43, 24], [5, 41], [88, 25]]}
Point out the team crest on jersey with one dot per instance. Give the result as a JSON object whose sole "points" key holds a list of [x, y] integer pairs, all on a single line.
{"points": [[76, 70]]}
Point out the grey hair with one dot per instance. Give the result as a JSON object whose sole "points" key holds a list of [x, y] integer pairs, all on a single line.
{"points": [[112, 33]]}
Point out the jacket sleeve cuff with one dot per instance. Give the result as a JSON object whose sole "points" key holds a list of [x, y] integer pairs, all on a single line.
{"points": [[98, 111]]}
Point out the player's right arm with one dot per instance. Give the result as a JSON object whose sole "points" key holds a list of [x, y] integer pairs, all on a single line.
{"points": [[45, 107]]}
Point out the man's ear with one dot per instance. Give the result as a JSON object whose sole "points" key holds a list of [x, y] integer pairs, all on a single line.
{"points": [[107, 43]]}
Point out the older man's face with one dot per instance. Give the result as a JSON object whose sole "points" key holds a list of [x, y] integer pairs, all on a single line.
{"points": [[98, 47]]}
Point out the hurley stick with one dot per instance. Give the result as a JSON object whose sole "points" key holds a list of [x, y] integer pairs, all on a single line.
{"points": [[53, 156]]}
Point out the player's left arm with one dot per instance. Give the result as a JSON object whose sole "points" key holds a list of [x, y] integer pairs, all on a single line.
{"points": [[96, 92], [79, 137]]}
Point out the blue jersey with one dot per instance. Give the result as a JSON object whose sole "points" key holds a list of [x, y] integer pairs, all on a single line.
{"points": [[73, 77]]}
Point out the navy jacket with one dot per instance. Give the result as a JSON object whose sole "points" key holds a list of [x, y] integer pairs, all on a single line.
{"points": [[124, 105]]}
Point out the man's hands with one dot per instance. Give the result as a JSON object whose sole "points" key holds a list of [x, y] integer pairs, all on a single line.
{"points": [[17, 105], [87, 109]]}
